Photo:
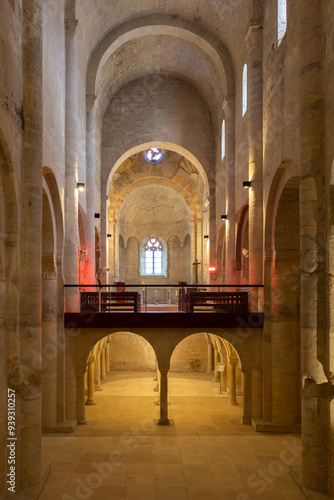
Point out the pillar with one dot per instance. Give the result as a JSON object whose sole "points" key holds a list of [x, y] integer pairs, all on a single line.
{"points": [[255, 127], [107, 355], [224, 373], [210, 353], [81, 410], [213, 238], [49, 343], [163, 420], [216, 361], [229, 110], [61, 386], [233, 385], [71, 240], [316, 411], [29, 433], [91, 383], [97, 372], [103, 365], [247, 397], [90, 187]]}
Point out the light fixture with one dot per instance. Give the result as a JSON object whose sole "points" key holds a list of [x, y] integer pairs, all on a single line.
{"points": [[206, 236], [212, 269], [80, 186], [97, 216], [108, 235], [247, 184], [223, 217]]}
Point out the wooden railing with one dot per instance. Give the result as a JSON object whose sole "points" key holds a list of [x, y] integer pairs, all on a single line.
{"points": [[110, 302], [223, 302]]}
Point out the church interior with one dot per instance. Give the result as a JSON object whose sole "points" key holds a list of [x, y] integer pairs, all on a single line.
{"points": [[166, 211]]}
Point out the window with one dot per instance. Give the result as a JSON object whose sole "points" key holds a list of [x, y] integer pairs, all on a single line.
{"points": [[244, 90], [154, 155], [281, 19], [153, 256], [223, 138]]}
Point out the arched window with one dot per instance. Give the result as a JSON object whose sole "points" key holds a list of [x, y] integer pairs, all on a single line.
{"points": [[281, 19], [223, 139], [153, 256], [244, 90]]}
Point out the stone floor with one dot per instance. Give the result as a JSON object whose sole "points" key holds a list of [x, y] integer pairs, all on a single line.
{"points": [[207, 454]]}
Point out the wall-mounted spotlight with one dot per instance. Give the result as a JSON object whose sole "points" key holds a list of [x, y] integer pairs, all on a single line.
{"points": [[247, 184], [97, 216], [212, 269], [223, 217], [80, 186], [108, 235], [206, 236]]}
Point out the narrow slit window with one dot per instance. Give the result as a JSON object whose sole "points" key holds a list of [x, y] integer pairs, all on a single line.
{"points": [[244, 90], [282, 19], [223, 152]]}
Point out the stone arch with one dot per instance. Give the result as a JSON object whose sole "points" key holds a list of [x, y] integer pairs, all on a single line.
{"points": [[55, 203], [178, 27], [133, 352], [188, 354], [281, 307], [162, 145]]}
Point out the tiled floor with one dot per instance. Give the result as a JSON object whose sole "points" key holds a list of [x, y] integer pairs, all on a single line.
{"points": [[207, 454]]}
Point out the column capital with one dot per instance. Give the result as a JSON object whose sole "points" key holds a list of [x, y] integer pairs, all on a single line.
{"points": [[253, 27], [90, 99], [228, 105], [233, 361], [71, 24]]}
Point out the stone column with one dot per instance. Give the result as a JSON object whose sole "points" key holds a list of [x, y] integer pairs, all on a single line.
{"points": [[107, 355], [91, 383], [247, 397], [194, 252], [29, 433], [224, 373], [210, 353], [71, 241], [49, 342], [103, 365], [90, 187], [317, 383], [163, 420], [233, 385], [199, 253], [61, 386], [97, 372], [255, 127], [213, 238], [229, 110], [81, 410], [216, 361]]}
